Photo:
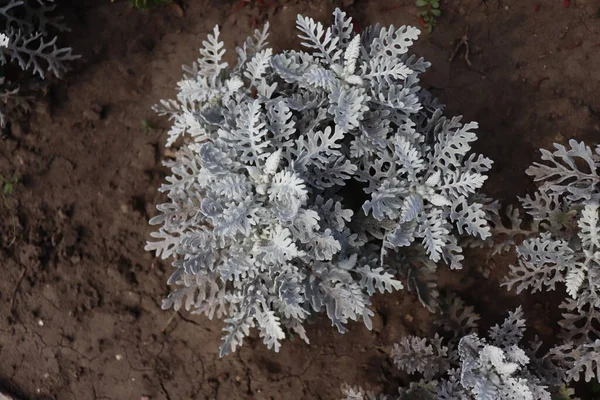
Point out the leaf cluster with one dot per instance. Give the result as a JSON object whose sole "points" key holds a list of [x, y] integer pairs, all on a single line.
{"points": [[258, 218], [429, 13], [26, 23], [146, 4], [565, 250], [26, 27], [468, 367]]}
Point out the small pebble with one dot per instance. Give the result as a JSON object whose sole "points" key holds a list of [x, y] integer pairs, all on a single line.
{"points": [[41, 323], [119, 357]]}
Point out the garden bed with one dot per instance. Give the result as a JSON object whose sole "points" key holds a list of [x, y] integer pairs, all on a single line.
{"points": [[80, 298]]}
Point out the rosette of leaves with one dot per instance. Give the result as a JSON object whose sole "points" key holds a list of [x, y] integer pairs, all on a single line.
{"points": [[419, 174], [259, 218], [416, 164], [260, 235], [471, 367], [566, 250]]}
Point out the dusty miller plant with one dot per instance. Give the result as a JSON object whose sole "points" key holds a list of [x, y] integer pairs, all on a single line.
{"points": [[258, 217], [24, 39], [566, 250], [466, 366]]}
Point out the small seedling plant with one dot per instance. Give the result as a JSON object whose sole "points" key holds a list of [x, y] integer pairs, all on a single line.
{"points": [[146, 4], [7, 185], [429, 13]]}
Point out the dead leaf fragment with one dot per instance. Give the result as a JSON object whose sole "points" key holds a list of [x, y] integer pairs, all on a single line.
{"points": [[176, 9]]}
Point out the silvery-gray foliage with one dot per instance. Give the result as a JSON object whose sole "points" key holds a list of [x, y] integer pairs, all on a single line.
{"points": [[473, 368], [507, 228], [567, 249], [419, 273], [26, 23], [456, 317], [358, 393], [256, 217]]}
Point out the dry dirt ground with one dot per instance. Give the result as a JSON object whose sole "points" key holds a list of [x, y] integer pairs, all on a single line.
{"points": [[80, 313]]}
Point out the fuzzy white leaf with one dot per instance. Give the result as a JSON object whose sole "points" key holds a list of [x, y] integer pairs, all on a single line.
{"points": [[272, 162], [377, 279]]}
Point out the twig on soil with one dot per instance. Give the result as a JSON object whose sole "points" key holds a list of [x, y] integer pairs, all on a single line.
{"points": [[463, 42], [12, 299], [168, 322], [576, 45]]}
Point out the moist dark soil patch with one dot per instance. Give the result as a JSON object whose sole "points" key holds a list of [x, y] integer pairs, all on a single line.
{"points": [[80, 298]]}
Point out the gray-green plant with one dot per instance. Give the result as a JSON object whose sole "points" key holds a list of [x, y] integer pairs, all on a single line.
{"points": [[304, 175], [563, 252], [26, 23], [466, 366], [26, 39]]}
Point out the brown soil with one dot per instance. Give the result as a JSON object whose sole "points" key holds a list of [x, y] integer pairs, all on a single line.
{"points": [[80, 313]]}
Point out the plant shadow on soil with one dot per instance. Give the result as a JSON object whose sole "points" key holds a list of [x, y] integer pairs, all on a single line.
{"points": [[80, 298]]}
